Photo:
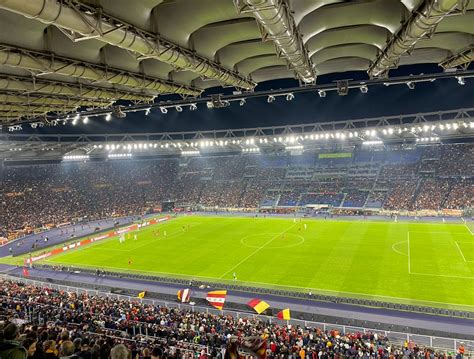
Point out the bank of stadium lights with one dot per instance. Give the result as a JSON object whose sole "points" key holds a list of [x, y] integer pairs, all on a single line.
{"points": [[461, 80], [371, 133], [294, 147], [15, 128], [251, 150], [290, 96], [75, 119], [85, 120], [179, 109], [427, 139], [270, 99], [193, 107], [108, 117], [163, 110], [76, 157], [322, 93], [119, 155], [411, 85], [364, 89], [242, 102], [388, 131], [190, 153], [372, 143]]}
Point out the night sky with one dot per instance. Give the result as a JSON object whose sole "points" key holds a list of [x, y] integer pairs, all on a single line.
{"points": [[305, 108]]}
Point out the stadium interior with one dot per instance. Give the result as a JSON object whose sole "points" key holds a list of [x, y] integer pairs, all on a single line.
{"points": [[236, 179]]}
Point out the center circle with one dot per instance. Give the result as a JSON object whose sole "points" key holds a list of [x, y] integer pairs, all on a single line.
{"points": [[274, 240]]}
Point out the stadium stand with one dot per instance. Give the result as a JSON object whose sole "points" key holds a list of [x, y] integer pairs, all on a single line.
{"points": [[418, 178], [78, 325]]}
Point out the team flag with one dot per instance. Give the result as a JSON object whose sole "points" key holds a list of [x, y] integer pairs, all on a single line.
{"points": [[26, 273], [255, 345], [284, 314], [141, 294], [184, 295], [258, 305], [217, 298]]}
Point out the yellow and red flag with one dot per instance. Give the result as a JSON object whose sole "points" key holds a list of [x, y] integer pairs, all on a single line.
{"points": [[217, 298], [284, 314], [184, 295], [258, 305]]}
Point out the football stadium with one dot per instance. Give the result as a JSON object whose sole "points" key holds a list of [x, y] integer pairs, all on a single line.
{"points": [[236, 179]]}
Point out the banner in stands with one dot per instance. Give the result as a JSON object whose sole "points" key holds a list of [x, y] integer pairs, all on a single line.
{"points": [[102, 236], [335, 155]]}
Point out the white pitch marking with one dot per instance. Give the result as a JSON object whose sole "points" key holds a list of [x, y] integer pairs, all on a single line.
{"points": [[460, 251], [469, 229], [256, 251], [409, 259], [443, 275], [397, 251]]}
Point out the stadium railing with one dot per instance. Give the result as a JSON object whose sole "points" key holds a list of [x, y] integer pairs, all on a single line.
{"points": [[277, 292], [396, 338]]}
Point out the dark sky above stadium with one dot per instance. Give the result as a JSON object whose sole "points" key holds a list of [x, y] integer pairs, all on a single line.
{"points": [[305, 108]]}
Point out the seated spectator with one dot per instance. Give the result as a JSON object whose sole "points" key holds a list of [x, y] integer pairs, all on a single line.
{"points": [[10, 346]]}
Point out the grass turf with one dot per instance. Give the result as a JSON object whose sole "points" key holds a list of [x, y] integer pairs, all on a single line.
{"points": [[426, 264]]}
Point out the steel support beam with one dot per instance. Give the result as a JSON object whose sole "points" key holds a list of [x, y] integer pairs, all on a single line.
{"points": [[462, 59], [32, 85], [277, 24], [35, 100], [80, 22], [35, 109], [421, 23], [42, 63]]}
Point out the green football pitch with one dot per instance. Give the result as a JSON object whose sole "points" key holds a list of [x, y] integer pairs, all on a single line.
{"points": [[418, 263]]}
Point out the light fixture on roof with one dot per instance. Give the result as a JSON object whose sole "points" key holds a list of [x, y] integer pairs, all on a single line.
{"points": [[179, 108], [163, 110], [290, 96], [193, 107], [242, 102], [461, 80], [108, 117], [85, 120], [322, 93], [117, 112], [364, 89], [411, 85], [147, 111], [270, 99]]}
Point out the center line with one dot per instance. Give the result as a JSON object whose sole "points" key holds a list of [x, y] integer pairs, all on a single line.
{"points": [[256, 251]]}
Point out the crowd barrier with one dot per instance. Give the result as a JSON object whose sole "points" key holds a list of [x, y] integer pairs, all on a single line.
{"points": [[396, 338], [241, 287]]}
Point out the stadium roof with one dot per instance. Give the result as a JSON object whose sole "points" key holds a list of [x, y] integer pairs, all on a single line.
{"points": [[56, 56]]}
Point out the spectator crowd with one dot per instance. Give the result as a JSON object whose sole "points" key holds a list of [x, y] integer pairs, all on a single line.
{"points": [[53, 324], [433, 177]]}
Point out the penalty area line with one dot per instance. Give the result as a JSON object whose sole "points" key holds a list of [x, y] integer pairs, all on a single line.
{"points": [[460, 251], [256, 251]]}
